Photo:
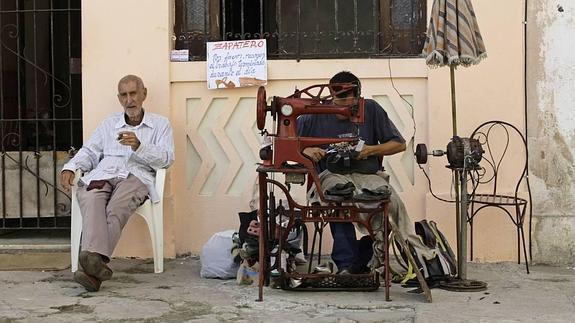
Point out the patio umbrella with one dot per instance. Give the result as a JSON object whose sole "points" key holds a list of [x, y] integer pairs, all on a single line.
{"points": [[453, 39]]}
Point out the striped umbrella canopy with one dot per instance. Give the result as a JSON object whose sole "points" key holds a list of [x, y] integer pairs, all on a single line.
{"points": [[453, 36]]}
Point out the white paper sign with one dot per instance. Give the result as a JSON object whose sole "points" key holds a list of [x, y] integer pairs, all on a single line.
{"points": [[181, 55], [237, 63]]}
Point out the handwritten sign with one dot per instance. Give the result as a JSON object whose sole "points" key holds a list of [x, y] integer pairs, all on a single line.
{"points": [[238, 63]]}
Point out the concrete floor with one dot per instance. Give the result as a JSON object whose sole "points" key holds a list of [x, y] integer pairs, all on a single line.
{"points": [[34, 249], [135, 293], [54, 240]]}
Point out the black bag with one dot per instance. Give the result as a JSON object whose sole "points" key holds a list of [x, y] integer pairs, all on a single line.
{"points": [[346, 163], [443, 265]]}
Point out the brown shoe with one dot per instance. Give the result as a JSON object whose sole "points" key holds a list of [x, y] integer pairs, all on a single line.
{"points": [[94, 265], [91, 283]]}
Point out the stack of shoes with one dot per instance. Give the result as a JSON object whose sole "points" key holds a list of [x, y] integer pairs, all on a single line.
{"points": [[236, 247], [377, 194], [250, 246], [254, 228], [339, 192], [94, 271]]}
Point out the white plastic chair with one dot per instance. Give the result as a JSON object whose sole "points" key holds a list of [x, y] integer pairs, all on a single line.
{"points": [[153, 213]]}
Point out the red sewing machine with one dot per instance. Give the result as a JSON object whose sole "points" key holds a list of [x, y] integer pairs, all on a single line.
{"points": [[282, 153], [287, 146]]}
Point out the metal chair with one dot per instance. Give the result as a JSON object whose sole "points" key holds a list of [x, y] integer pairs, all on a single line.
{"points": [[153, 213], [505, 159]]}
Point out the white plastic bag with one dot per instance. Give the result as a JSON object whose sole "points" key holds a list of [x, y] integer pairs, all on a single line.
{"points": [[216, 258]]}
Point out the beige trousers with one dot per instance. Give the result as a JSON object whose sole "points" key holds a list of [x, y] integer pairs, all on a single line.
{"points": [[106, 211]]}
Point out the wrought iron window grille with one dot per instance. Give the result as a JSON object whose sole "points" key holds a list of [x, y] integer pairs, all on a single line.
{"points": [[40, 109], [305, 29]]}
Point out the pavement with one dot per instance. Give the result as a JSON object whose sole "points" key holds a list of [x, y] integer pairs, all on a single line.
{"points": [[135, 293]]}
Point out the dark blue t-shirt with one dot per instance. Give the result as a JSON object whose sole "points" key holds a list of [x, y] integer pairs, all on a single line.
{"points": [[377, 128]]}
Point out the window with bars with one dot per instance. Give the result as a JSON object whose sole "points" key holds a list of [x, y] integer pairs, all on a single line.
{"points": [[300, 29], [40, 109]]}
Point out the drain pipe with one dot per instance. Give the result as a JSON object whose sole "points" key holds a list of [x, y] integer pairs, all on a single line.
{"points": [[526, 12], [525, 97]]}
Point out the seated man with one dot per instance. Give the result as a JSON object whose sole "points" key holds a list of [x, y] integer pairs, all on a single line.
{"points": [[122, 156], [381, 138]]}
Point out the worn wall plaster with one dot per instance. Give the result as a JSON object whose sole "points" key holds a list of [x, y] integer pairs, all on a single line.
{"points": [[551, 75]]}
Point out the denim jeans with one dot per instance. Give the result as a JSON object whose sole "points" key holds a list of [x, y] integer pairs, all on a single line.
{"points": [[348, 252]]}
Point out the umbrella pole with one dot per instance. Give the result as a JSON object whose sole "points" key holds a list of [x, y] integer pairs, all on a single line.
{"points": [[460, 223], [453, 101]]}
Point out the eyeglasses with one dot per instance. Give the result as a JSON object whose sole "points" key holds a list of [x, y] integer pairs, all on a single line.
{"points": [[348, 95]]}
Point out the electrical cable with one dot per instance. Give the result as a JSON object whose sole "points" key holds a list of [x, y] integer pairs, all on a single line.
{"points": [[430, 189], [404, 99], [475, 183], [414, 132], [479, 177]]}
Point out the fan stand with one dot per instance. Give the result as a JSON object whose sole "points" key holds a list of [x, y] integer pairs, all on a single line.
{"points": [[461, 283]]}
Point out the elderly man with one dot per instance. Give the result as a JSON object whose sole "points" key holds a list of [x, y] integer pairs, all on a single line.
{"points": [[122, 157]]}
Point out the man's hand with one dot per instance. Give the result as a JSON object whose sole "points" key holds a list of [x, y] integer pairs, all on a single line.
{"points": [[67, 179], [365, 152], [314, 153], [128, 138]]}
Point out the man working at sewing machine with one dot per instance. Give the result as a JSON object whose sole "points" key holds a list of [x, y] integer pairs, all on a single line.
{"points": [[381, 138]]}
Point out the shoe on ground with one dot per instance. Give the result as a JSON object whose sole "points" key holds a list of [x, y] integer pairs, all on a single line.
{"points": [[300, 259], [344, 271], [359, 270], [353, 270], [90, 283], [94, 265], [325, 268]]}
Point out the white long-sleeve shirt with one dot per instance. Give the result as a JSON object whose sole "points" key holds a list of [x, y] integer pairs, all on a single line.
{"points": [[105, 158]]}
